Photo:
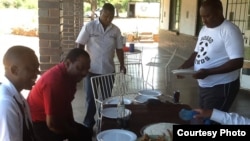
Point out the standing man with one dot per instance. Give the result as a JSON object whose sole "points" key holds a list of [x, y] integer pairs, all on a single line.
{"points": [[21, 69], [102, 40], [50, 100], [217, 58]]}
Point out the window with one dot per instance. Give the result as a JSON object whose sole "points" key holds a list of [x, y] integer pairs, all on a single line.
{"points": [[238, 13], [175, 14]]}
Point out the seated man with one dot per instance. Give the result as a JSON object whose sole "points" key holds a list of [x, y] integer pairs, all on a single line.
{"points": [[50, 100]]}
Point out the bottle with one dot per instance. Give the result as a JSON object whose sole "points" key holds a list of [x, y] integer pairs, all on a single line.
{"points": [[121, 112], [176, 96]]}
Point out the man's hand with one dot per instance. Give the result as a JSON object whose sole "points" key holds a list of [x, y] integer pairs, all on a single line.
{"points": [[201, 74], [203, 113], [123, 69], [180, 76]]}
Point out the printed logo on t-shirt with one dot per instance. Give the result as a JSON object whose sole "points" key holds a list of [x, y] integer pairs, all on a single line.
{"points": [[202, 57]]}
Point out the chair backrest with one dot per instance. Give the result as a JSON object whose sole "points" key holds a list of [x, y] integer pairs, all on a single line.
{"points": [[137, 83], [105, 86], [160, 61], [133, 69], [114, 84], [171, 57]]}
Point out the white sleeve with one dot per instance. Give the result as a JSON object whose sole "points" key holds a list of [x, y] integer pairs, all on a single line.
{"points": [[229, 118], [83, 36], [234, 42], [10, 123]]}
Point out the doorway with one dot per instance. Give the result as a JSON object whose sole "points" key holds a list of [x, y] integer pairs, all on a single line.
{"points": [[131, 10]]}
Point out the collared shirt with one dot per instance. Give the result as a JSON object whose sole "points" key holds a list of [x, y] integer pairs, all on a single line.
{"points": [[52, 94], [11, 118], [229, 118], [101, 45]]}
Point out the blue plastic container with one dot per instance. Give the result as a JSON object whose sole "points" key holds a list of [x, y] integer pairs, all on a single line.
{"points": [[185, 114], [188, 115]]}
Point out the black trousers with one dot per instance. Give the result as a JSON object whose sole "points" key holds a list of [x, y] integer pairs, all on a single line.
{"points": [[43, 133], [220, 96]]}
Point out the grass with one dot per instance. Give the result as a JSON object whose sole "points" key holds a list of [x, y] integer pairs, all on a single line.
{"points": [[247, 53]]}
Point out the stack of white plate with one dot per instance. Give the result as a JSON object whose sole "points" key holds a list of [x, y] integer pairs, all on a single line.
{"points": [[145, 95], [111, 112], [183, 71], [158, 128], [116, 135]]}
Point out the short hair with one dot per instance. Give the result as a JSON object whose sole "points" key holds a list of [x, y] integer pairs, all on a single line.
{"points": [[109, 7], [16, 53], [213, 4], [75, 53]]}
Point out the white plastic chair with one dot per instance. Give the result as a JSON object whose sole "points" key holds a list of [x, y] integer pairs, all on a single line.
{"points": [[160, 61], [135, 84], [114, 84], [137, 81], [133, 69], [105, 86]]}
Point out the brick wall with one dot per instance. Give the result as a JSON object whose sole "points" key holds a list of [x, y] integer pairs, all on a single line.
{"points": [[59, 24]]}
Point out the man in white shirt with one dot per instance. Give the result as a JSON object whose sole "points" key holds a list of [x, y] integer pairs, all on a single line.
{"points": [[21, 70], [217, 58], [102, 40], [222, 117]]}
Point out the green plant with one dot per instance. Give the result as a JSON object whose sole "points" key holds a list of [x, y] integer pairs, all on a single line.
{"points": [[247, 53], [28, 4], [6, 4]]}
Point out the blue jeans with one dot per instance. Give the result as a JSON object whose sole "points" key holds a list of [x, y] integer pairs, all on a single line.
{"points": [[89, 119]]}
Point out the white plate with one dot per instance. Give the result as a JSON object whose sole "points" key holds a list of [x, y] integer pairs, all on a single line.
{"points": [[115, 100], [143, 98], [157, 128], [183, 71], [155, 138], [116, 135], [150, 92], [112, 112]]}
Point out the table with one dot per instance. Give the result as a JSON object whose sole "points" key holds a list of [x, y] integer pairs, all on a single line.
{"points": [[136, 51], [134, 57], [153, 111]]}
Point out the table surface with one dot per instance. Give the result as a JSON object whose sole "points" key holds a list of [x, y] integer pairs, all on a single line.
{"points": [[151, 112], [136, 51]]}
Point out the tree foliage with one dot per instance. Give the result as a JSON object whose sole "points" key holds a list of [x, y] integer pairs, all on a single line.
{"points": [[121, 5], [28, 4]]}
